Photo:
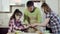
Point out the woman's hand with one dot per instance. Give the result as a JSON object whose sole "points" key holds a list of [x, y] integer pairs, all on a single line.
{"points": [[34, 25], [42, 24]]}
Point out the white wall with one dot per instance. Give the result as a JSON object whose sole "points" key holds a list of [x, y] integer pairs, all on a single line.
{"points": [[0, 5], [53, 4], [59, 7], [5, 4]]}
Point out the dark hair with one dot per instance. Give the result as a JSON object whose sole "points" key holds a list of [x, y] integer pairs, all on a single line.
{"points": [[16, 12], [30, 3], [48, 9]]}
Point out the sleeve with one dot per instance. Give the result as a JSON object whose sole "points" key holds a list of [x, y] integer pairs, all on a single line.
{"points": [[25, 15], [10, 26], [18, 28], [48, 16], [26, 18], [39, 16]]}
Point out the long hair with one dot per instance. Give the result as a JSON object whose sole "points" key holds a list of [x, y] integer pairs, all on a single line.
{"points": [[48, 9], [17, 11]]}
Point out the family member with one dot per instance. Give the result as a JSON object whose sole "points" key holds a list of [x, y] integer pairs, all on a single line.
{"points": [[52, 19], [15, 23], [32, 14]]}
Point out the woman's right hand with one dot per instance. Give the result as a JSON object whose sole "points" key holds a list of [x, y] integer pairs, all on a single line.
{"points": [[34, 25]]}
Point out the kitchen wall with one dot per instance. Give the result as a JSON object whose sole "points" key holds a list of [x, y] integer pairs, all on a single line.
{"points": [[0, 5], [53, 4]]}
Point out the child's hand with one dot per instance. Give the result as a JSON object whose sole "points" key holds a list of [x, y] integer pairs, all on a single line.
{"points": [[21, 28], [27, 26]]}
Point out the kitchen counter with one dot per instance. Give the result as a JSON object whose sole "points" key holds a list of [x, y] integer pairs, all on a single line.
{"points": [[38, 32], [4, 30]]}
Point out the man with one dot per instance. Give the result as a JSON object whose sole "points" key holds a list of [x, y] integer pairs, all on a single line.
{"points": [[32, 14]]}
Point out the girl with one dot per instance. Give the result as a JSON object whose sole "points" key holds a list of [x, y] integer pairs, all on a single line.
{"points": [[15, 22], [51, 18]]}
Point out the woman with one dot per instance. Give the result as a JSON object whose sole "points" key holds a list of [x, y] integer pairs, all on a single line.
{"points": [[51, 18], [15, 23]]}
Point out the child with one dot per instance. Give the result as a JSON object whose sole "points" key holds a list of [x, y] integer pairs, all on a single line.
{"points": [[15, 22]]}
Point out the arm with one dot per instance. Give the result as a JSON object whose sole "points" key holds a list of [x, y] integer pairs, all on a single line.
{"points": [[18, 28], [45, 22], [26, 18], [42, 24], [39, 16], [10, 26]]}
